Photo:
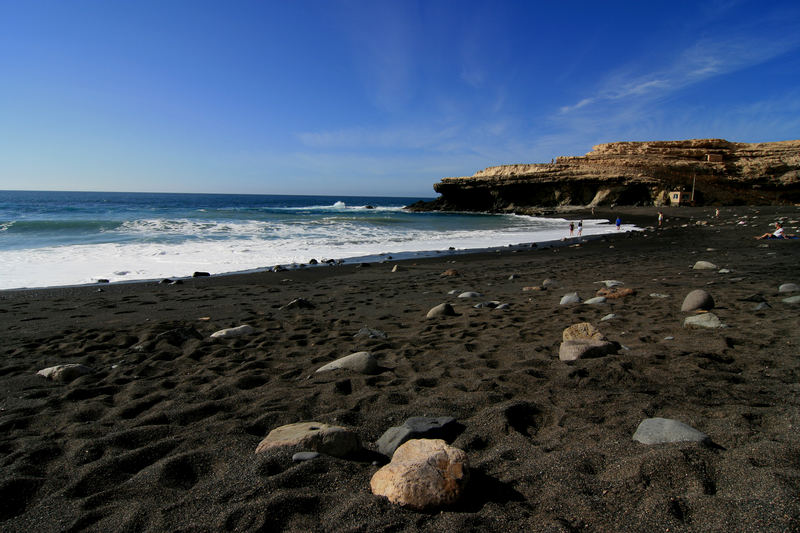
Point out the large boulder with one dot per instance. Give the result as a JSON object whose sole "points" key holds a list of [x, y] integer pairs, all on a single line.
{"points": [[331, 440], [423, 474]]}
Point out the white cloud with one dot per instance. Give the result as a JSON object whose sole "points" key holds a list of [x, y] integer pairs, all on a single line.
{"points": [[702, 60]]}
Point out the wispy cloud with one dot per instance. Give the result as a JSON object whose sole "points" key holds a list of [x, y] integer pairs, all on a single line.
{"points": [[395, 137], [701, 61]]}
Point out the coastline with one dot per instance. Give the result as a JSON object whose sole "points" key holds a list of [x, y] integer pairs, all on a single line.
{"points": [[376, 257], [640, 217], [162, 437]]}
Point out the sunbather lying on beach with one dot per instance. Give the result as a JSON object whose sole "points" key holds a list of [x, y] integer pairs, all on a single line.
{"points": [[777, 234]]}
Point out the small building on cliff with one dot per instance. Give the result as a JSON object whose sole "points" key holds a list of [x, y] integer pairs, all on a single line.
{"points": [[678, 198]]}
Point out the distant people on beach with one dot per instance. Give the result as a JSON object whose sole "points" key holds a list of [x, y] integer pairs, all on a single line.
{"points": [[618, 222], [716, 212], [660, 218], [779, 233], [580, 228], [571, 228]]}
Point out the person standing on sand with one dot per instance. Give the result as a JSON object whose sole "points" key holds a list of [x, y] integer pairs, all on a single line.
{"points": [[571, 228], [660, 218], [580, 228], [618, 223]]}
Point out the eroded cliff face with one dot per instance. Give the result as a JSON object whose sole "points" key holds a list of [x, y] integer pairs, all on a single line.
{"points": [[636, 173]]}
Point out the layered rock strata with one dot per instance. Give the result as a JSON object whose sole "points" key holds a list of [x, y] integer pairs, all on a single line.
{"points": [[719, 172]]}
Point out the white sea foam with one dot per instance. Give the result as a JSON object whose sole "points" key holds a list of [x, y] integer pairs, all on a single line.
{"points": [[257, 245]]}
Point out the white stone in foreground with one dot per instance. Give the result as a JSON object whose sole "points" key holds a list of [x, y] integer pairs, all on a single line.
{"points": [[704, 265], [470, 294], [570, 298], [362, 362], [64, 373], [441, 310], [233, 332], [663, 430], [595, 301], [789, 287]]}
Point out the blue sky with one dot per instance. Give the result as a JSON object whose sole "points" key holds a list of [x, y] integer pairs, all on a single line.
{"points": [[372, 97]]}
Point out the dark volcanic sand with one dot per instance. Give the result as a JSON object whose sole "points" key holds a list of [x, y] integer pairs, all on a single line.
{"points": [[163, 439]]}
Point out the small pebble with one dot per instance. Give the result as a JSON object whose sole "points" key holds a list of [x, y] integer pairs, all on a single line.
{"points": [[304, 456]]}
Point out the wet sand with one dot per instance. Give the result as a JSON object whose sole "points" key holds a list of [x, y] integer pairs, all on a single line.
{"points": [[161, 435]]}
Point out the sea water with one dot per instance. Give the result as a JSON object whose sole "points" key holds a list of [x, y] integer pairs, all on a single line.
{"points": [[70, 238]]}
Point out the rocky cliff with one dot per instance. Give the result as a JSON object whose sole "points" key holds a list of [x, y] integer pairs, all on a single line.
{"points": [[635, 173]]}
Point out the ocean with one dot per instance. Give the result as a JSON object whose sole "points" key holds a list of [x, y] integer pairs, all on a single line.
{"points": [[71, 238]]}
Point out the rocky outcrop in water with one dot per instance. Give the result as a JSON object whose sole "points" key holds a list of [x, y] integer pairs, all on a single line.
{"points": [[635, 173]]}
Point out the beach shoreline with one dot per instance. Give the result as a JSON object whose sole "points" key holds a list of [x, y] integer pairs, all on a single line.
{"points": [[161, 434]]}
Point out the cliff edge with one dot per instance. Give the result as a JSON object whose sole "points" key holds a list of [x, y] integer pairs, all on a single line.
{"points": [[719, 172]]}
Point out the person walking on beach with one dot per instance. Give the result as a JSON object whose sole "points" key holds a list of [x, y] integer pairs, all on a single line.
{"points": [[660, 218], [618, 223], [580, 228], [571, 228]]}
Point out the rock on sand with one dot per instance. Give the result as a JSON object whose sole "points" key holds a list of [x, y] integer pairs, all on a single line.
{"points": [[583, 348], [362, 362], [64, 373], [595, 301], [470, 294], [582, 330], [238, 331], [423, 474], [706, 320], [570, 298], [697, 299], [441, 310], [417, 427], [704, 265], [663, 430], [315, 436]]}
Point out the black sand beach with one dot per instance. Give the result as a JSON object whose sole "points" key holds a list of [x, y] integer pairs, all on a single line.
{"points": [[161, 435]]}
